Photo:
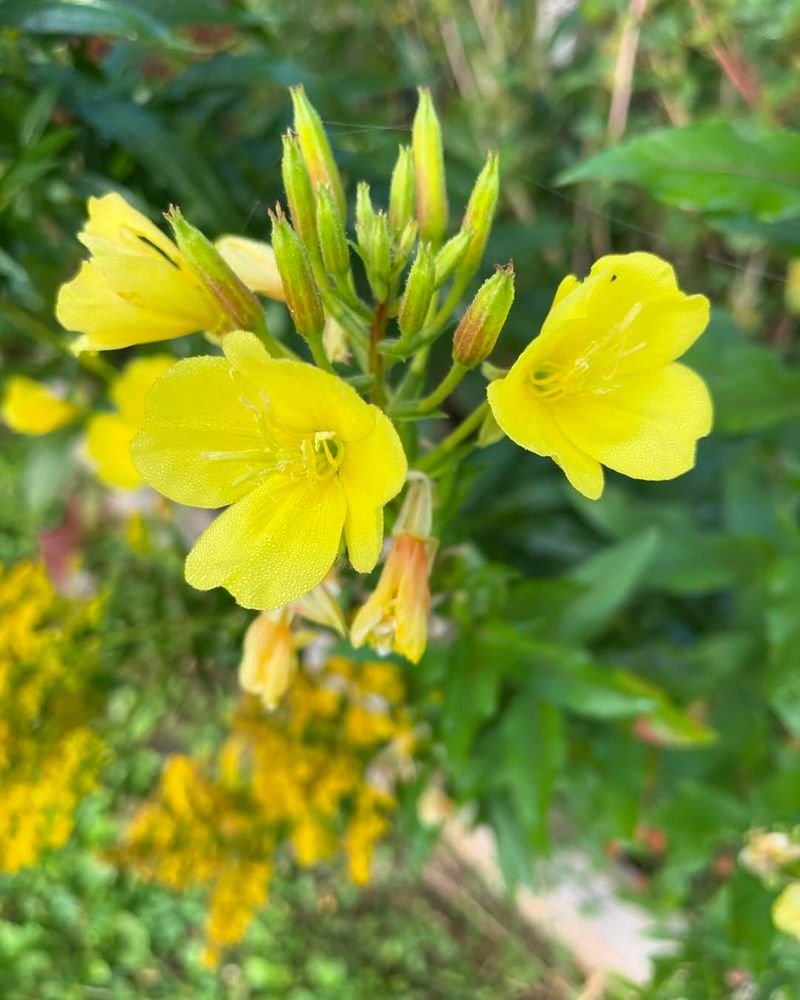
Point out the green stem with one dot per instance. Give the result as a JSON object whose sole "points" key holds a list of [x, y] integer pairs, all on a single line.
{"points": [[274, 346], [376, 334], [444, 389], [318, 353], [453, 440]]}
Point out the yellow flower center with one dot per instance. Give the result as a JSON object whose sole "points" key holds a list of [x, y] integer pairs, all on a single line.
{"points": [[594, 371]]}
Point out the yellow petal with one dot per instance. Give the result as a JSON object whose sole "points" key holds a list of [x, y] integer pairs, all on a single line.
{"points": [[130, 389], [648, 428], [198, 422], [302, 399], [108, 442], [254, 263], [530, 424], [113, 225], [31, 407], [786, 910], [372, 473], [273, 545]]}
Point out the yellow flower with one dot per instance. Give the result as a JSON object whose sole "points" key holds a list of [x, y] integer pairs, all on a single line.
{"points": [[30, 407], [109, 435], [295, 451], [786, 910], [254, 263], [269, 657], [600, 386], [793, 286], [136, 288]]}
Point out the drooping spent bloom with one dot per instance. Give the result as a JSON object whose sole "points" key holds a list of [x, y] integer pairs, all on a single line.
{"points": [[395, 615], [254, 262], [31, 407], [271, 644], [137, 287], [294, 451], [109, 435], [600, 384]]}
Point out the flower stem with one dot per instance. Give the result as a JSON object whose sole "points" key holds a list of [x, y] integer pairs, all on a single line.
{"points": [[443, 390], [453, 440], [376, 333]]}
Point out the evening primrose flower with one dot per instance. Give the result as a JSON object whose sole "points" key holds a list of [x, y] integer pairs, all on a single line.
{"points": [[254, 263], [31, 407], [786, 910], [297, 454], [136, 288], [109, 435], [600, 384]]}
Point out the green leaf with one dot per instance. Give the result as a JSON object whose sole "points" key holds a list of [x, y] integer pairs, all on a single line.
{"points": [[470, 696], [783, 636], [668, 725], [609, 578], [715, 167]]}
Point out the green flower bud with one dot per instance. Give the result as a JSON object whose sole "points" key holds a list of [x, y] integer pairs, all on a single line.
{"points": [[379, 258], [365, 217], [431, 190], [451, 255], [316, 149], [294, 267], [332, 237], [478, 331], [404, 246], [241, 308], [299, 194], [479, 214], [418, 293], [401, 191]]}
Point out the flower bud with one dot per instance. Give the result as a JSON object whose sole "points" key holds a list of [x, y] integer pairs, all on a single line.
{"points": [[404, 244], [332, 237], [416, 514], [379, 257], [299, 193], [401, 191], [418, 293], [480, 327], [334, 341], [479, 214], [242, 310], [302, 294], [254, 262], [365, 216], [451, 256], [316, 149], [431, 191]]}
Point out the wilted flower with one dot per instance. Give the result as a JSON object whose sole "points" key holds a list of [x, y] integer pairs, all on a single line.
{"points": [[269, 656], [136, 288], [600, 386], [295, 451], [31, 407]]}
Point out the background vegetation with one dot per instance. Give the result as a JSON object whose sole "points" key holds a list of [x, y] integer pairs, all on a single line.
{"points": [[624, 671]]}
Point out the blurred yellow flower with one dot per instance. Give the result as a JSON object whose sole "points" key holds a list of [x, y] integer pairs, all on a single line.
{"points": [[109, 435], [295, 452], [793, 286], [786, 910], [600, 386], [254, 263], [31, 407], [137, 287]]}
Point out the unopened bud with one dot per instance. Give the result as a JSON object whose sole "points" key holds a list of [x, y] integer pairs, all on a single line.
{"points": [[315, 146], [418, 292], [299, 193], [379, 257], [431, 190], [451, 255], [404, 245], [479, 215], [241, 308], [302, 294], [365, 216], [254, 262], [332, 237], [416, 514], [478, 331], [401, 191]]}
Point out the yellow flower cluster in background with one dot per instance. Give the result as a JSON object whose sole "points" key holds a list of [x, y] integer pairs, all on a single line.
{"points": [[303, 776], [49, 757]]}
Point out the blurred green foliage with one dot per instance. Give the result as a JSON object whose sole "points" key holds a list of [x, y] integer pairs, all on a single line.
{"points": [[624, 665]]}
